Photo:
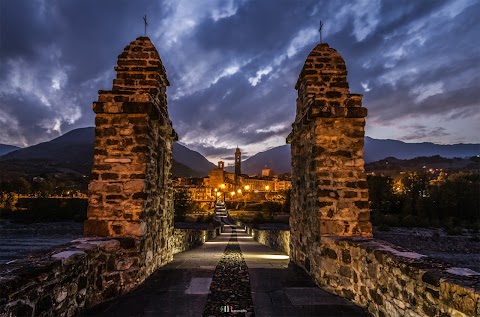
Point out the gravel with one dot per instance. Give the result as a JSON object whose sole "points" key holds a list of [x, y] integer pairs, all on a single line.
{"points": [[230, 287], [458, 250]]}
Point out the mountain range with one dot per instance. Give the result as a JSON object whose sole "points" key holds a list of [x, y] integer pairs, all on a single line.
{"points": [[73, 152], [5, 148], [278, 158]]}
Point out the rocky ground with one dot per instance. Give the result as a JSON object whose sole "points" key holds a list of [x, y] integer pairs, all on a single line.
{"points": [[459, 250]]}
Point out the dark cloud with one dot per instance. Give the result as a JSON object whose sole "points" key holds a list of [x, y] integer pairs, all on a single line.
{"points": [[211, 150], [232, 158], [233, 65], [418, 131]]}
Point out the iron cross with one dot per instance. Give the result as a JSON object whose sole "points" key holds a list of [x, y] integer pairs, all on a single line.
{"points": [[146, 24], [320, 30]]}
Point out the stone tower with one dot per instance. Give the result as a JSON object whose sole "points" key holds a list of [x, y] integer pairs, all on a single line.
{"points": [[329, 188], [130, 193], [238, 164]]}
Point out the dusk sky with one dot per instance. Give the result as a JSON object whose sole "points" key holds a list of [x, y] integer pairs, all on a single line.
{"points": [[233, 65]]}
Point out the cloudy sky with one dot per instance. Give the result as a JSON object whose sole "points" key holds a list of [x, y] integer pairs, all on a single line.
{"points": [[233, 64]]}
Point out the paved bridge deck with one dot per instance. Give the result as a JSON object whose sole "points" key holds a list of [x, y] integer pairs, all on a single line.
{"points": [[182, 287]]}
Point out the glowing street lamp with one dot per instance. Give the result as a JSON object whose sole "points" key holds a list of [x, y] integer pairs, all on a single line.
{"points": [[267, 188], [239, 191], [247, 187], [222, 189]]}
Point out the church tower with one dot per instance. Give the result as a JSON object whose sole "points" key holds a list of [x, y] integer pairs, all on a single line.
{"points": [[238, 164]]}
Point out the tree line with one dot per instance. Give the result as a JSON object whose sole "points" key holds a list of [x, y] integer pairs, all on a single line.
{"points": [[426, 199]]}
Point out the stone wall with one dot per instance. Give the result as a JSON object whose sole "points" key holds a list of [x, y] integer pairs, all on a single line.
{"points": [[389, 281], [329, 188], [71, 278], [186, 239], [130, 194], [278, 240]]}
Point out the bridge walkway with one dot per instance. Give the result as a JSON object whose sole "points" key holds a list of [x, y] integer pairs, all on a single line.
{"points": [[217, 279]]}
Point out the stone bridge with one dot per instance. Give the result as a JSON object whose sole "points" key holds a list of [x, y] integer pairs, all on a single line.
{"points": [[130, 239]]}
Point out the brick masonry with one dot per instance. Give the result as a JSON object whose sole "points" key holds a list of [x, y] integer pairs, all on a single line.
{"points": [[130, 194], [329, 188]]}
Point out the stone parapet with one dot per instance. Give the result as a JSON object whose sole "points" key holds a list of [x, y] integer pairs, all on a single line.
{"points": [[386, 279], [278, 240], [72, 278], [186, 239], [391, 281]]}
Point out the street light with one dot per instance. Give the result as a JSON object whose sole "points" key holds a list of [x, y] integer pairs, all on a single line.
{"points": [[247, 187], [267, 188]]}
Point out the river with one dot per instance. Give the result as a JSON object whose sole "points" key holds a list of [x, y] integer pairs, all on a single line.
{"points": [[19, 240]]}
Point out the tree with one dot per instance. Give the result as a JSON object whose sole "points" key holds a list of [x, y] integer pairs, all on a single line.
{"points": [[182, 203], [286, 203], [416, 188], [381, 194]]}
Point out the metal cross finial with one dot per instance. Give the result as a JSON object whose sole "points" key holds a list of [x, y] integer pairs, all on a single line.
{"points": [[146, 24], [320, 30]]}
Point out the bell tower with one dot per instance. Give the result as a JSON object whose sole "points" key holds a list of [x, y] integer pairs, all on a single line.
{"points": [[238, 164]]}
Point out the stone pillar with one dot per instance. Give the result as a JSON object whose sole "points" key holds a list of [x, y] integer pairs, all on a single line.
{"points": [[329, 188], [130, 193]]}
